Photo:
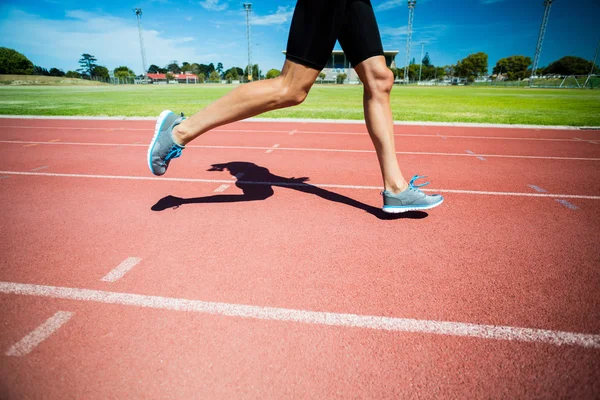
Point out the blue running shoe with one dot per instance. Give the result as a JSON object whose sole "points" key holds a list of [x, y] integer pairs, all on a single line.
{"points": [[162, 147], [412, 199]]}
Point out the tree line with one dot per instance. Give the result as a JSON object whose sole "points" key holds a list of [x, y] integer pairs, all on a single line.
{"points": [[515, 67], [511, 68]]}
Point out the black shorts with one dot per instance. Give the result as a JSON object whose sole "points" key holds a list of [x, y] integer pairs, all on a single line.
{"points": [[317, 24]]}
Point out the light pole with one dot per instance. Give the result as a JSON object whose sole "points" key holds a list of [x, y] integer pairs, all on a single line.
{"points": [[258, 59], [411, 15], [421, 69], [248, 8], [138, 14], [538, 51]]}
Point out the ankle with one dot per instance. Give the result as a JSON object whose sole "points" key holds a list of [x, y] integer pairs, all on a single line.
{"points": [[396, 187], [179, 136]]}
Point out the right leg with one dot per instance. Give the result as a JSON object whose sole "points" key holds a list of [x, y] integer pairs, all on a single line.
{"points": [[289, 89]]}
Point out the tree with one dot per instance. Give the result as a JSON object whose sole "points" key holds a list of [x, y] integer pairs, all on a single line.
{"points": [[154, 69], [255, 72], [201, 78], [123, 72], [514, 66], [186, 67], [426, 61], [322, 75], [440, 73], [214, 77], [37, 70], [234, 72], [220, 68], [170, 77], [570, 65], [173, 67], [72, 74], [87, 62], [341, 78], [273, 73], [56, 72], [413, 72], [449, 70], [210, 68], [101, 71], [473, 65], [13, 62]]}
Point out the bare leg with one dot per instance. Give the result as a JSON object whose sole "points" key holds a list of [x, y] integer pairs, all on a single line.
{"points": [[378, 81], [289, 89]]}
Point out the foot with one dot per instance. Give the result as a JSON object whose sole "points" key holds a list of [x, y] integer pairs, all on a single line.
{"points": [[162, 147], [412, 199]]}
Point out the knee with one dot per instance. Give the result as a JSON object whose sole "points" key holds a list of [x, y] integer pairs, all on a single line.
{"points": [[380, 82], [290, 95]]}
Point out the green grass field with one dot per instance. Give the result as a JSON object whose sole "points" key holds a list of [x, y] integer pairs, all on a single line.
{"points": [[435, 104]]}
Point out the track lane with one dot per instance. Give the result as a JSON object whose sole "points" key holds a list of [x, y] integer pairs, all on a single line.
{"points": [[108, 351], [308, 252], [465, 173]]}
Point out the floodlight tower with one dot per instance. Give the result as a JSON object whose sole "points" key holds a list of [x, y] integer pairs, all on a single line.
{"points": [[138, 14], [411, 16], [547, 5], [248, 8]]}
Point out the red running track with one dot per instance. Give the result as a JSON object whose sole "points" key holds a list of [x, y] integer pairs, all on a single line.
{"points": [[84, 202]]}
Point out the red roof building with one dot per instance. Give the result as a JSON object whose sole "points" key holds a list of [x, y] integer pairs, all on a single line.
{"points": [[181, 78]]}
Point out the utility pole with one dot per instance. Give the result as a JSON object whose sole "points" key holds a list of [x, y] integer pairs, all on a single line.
{"points": [[248, 8], [411, 15], [138, 14], [258, 59], [421, 69], [538, 51]]}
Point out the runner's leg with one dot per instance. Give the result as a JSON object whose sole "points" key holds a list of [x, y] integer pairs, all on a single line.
{"points": [[361, 41]]}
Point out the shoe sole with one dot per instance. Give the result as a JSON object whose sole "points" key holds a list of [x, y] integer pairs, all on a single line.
{"points": [[157, 129], [403, 209]]}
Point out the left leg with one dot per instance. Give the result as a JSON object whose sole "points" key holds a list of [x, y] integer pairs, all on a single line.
{"points": [[361, 42]]}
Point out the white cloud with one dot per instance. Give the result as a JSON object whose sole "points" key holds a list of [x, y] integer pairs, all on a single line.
{"points": [[113, 41], [388, 5], [281, 16], [389, 31], [213, 5]]}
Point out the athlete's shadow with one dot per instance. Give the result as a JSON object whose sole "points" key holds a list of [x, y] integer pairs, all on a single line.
{"points": [[257, 184]]}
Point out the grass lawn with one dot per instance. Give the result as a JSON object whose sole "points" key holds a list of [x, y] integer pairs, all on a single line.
{"points": [[438, 104]]}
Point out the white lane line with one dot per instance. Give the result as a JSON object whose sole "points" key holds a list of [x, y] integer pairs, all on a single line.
{"points": [[40, 168], [291, 184], [417, 153], [567, 204], [304, 132], [221, 188], [538, 189], [271, 150], [583, 140], [442, 136], [121, 269], [473, 154], [447, 328], [39, 334], [294, 131]]}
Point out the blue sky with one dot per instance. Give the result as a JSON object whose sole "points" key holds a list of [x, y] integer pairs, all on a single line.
{"points": [[54, 33]]}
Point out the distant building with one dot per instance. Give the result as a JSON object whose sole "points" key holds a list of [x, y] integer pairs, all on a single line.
{"points": [[339, 64], [180, 78]]}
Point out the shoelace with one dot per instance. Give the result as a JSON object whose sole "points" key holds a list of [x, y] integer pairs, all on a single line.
{"points": [[412, 186], [173, 153]]}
